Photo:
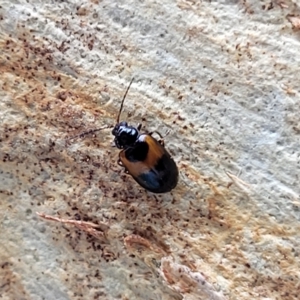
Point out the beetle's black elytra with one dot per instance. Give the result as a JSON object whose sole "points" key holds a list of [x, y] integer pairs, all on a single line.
{"points": [[142, 156]]}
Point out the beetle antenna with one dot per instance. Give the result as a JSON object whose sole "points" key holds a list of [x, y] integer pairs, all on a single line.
{"points": [[81, 135], [118, 118]]}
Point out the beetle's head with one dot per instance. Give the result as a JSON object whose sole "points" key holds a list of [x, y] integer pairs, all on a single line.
{"points": [[125, 136]]}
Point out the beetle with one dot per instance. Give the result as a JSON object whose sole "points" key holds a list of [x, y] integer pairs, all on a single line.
{"points": [[143, 157]]}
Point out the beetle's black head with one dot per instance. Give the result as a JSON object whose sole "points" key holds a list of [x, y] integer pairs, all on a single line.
{"points": [[125, 136]]}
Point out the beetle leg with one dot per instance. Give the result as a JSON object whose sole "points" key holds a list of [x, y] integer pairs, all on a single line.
{"points": [[162, 142], [150, 133], [120, 163], [139, 126]]}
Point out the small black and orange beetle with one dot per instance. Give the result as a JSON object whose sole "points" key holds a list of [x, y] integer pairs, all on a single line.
{"points": [[142, 156]]}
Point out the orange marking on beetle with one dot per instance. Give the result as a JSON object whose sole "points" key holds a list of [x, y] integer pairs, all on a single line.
{"points": [[136, 168], [155, 152]]}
